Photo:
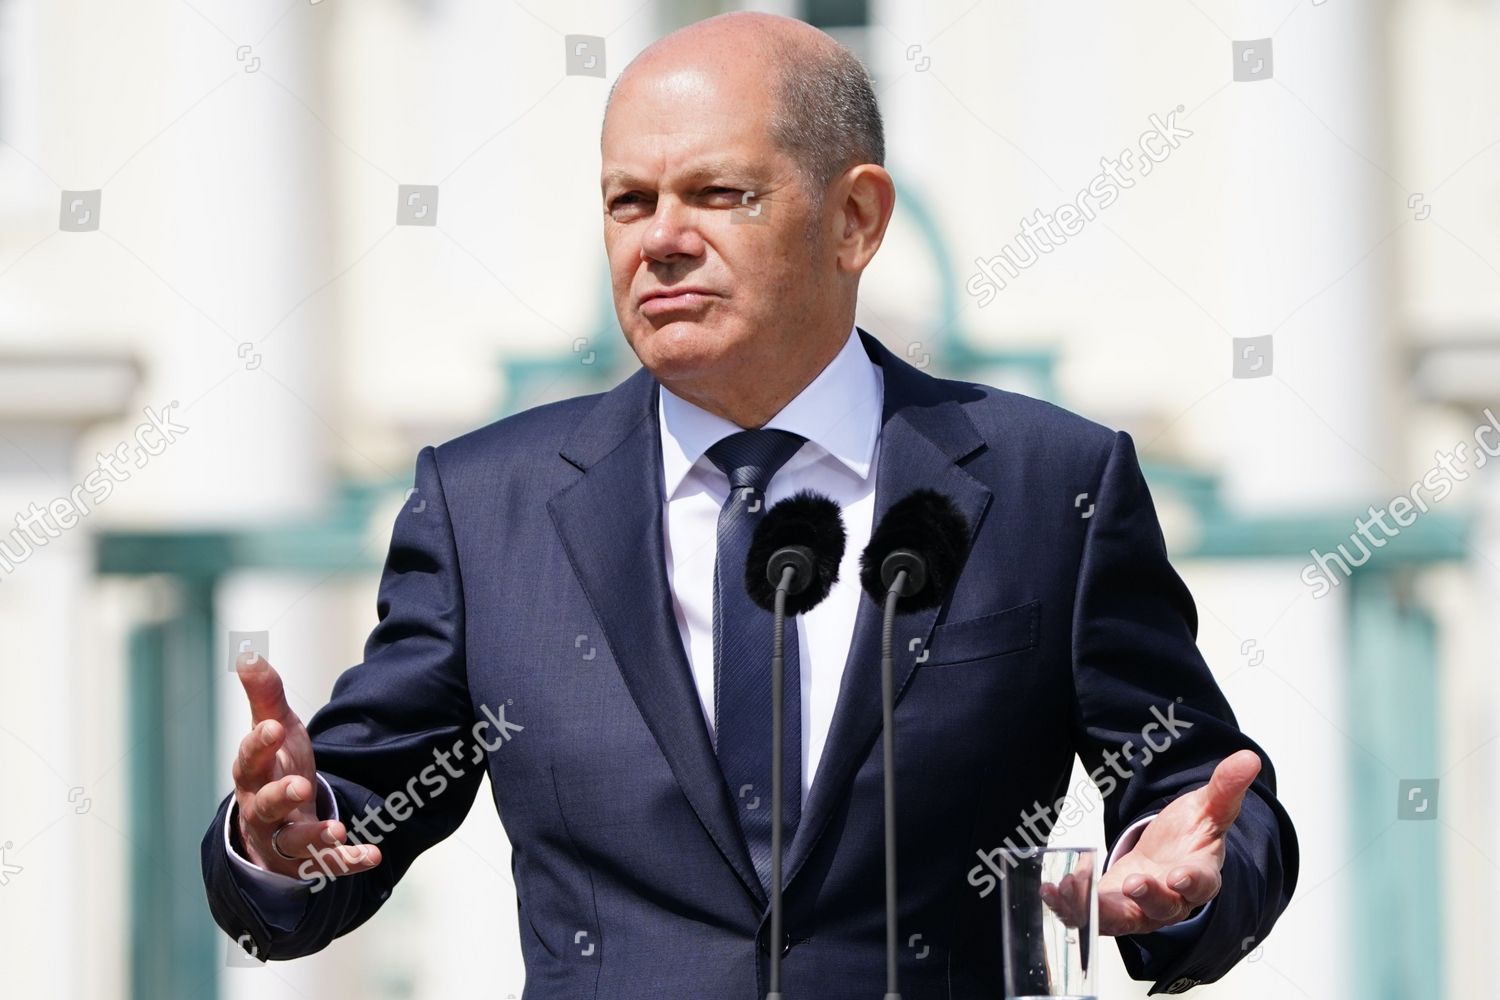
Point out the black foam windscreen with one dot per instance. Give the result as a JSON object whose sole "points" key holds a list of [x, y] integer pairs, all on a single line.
{"points": [[924, 522], [806, 518]]}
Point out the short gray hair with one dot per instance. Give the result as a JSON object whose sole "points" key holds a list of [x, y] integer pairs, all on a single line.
{"points": [[825, 115]]}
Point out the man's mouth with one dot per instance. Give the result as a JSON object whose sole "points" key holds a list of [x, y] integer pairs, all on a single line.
{"points": [[665, 300]]}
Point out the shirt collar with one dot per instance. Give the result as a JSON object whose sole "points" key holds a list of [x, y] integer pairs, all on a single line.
{"points": [[838, 411]]}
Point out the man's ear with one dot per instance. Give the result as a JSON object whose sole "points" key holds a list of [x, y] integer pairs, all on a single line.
{"points": [[868, 197]]}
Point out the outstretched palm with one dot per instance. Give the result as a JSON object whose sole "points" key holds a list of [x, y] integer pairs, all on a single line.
{"points": [[1175, 865]]}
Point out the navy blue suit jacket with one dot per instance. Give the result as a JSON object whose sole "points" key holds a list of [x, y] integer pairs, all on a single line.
{"points": [[633, 879]]}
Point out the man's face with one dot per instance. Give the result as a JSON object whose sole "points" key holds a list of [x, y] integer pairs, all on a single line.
{"points": [[685, 151]]}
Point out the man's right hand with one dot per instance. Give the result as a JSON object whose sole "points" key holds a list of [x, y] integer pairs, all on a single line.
{"points": [[275, 786]]}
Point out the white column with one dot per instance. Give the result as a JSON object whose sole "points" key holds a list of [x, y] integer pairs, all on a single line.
{"points": [[56, 826], [1309, 197], [1307, 206]]}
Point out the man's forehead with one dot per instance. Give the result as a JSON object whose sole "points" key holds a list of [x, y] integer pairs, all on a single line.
{"points": [[668, 93], [689, 115], [693, 77]]}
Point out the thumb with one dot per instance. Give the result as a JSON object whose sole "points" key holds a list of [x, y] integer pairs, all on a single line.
{"points": [[1225, 792], [262, 686]]}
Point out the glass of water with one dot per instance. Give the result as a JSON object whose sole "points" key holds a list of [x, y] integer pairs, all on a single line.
{"points": [[1050, 920]]}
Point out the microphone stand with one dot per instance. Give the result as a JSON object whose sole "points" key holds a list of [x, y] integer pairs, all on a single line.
{"points": [[888, 716], [922, 538], [796, 549], [778, 722]]}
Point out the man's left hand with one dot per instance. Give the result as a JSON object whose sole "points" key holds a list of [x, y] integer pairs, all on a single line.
{"points": [[1175, 865]]}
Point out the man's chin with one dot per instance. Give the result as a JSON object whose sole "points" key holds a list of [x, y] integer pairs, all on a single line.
{"points": [[682, 350]]}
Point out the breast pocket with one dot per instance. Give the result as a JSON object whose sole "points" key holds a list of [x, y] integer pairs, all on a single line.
{"points": [[1009, 631]]}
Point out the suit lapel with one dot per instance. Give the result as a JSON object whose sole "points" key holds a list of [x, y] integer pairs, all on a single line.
{"points": [[924, 432], [610, 524]]}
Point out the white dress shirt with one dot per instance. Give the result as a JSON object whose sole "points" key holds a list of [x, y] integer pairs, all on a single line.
{"points": [[839, 414]]}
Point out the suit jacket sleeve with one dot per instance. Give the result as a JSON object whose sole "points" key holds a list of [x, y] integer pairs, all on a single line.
{"points": [[378, 740], [1140, 680]]}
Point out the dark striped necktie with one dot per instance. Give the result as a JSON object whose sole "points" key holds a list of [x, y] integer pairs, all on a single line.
{"points": [[742, 651]]}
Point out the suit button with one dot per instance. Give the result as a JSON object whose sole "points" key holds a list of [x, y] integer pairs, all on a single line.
{"points": [[786, 943], [1182, 985]]}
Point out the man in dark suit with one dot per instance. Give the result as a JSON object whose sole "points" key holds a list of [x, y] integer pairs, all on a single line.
{"points": [[559, 610]]}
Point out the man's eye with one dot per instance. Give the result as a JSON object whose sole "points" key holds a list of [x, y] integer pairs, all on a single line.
{"points": [[628, 206]]}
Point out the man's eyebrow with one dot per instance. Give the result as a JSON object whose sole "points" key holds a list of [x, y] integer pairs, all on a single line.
{"points": [[721, 168], [616, 176]]}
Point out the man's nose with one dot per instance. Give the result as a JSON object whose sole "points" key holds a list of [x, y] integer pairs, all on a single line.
{"points": [[672, 232]]}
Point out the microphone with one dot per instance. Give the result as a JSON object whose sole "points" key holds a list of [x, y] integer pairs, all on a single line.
{"points": [[792, 564], [911, 563]]}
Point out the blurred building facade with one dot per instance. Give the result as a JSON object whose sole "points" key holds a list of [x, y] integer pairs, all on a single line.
{"points": [[316, 236]]}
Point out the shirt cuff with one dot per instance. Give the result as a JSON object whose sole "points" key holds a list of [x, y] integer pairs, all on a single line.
{"points": [[277, 896], [1187, 928]]}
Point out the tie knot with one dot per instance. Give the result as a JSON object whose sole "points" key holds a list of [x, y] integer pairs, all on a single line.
{"points": [[750, 458]]}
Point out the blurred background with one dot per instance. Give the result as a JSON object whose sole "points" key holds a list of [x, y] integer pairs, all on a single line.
{"points": [[255, 254]]}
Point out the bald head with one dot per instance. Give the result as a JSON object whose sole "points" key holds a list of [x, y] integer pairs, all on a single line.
{"points": [[743, 197], [823, 111]]}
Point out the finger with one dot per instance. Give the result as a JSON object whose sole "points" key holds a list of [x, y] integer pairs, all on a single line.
{"points": [[336, 862], [320, 847], [1061, 903], [262, 686], [348, 859], [306, 838], [1156, 900], [299, 838], [1119, 915], [276, 802], [1227, 788], [255, 764], [1196, 884], [1052, 898], [1077, 887]]}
